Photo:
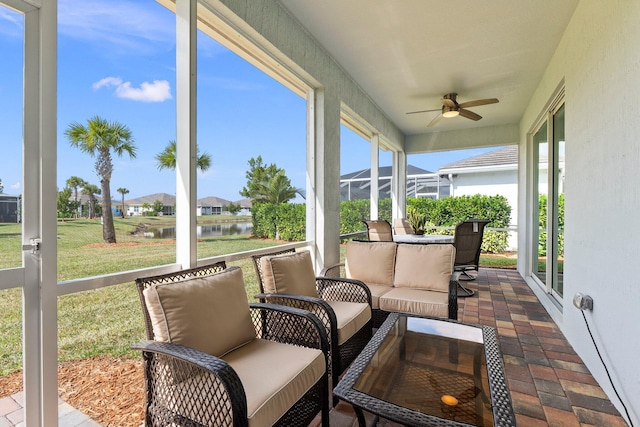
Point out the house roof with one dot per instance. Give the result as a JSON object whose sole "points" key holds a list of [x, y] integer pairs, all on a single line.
{"points": [[501, 157], [244, 203], [383, 171], [213, 201], [165, 199]]}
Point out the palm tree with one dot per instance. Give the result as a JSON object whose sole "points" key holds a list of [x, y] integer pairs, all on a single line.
{"points": [[122, 191], [75, 182], [277, 190], [91, 191], [167, 158], [98, 139]]}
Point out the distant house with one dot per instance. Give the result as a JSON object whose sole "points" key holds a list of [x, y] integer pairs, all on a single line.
{"points": [[135, 206], [245, 206], [211, 206], [10, 208], [85, 205], [489, 174], [420, 183]]}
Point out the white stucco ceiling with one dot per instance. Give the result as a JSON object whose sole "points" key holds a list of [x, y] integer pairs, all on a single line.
{"points": [[407, 54]]}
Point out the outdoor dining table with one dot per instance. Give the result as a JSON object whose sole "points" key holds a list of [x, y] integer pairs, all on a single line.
{"points": [[425, 239]]}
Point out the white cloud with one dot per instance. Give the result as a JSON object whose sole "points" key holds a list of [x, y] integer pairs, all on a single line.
{"points": [[156, 91], [107, 81], [15, 186]]}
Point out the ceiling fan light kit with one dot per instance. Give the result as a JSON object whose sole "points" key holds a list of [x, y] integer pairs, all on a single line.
{"points": [[451, 108], [449, 112]]}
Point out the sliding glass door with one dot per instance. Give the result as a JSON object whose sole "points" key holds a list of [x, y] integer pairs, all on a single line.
{"points": [[548, 217]]}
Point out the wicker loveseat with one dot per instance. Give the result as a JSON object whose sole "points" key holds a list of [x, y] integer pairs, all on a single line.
{"points": [[407, 278], [216, 360]]}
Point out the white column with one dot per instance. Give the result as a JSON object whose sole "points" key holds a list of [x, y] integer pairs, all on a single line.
{"points": [[399, 184], [311, 179], [186, 74], [374, 175], [323, 165], [40, 333]]}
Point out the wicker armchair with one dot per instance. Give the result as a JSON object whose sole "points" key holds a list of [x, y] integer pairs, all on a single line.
{"points": [[252, 380], [334, 301]]}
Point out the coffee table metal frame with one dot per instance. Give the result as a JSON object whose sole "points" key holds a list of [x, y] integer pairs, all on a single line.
{"points": [[503, 415]]}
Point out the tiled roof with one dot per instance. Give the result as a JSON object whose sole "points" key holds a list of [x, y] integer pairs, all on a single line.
{"points": [[165, 199], [213, 201], [245, 203], [503, 156]]}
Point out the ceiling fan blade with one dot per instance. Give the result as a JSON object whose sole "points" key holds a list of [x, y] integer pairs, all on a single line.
{"points": [[470, 114], [478, 102], [423, 111], [435, 120]]}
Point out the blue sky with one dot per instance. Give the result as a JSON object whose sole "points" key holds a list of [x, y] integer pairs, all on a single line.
{"points": [[116, 59]]}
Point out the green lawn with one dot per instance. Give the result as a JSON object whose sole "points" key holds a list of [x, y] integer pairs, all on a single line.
{"points": [[109, 320]]}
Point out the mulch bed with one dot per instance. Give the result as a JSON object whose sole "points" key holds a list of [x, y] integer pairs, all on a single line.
{"points": [[107, 389]]}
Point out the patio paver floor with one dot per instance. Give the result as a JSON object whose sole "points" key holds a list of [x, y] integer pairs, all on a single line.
{"points": [[549, 383]]}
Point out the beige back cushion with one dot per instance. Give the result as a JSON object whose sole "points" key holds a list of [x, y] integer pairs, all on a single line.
{"points": [[210, 313], [289, 274], [426, 267], [371, 262]]}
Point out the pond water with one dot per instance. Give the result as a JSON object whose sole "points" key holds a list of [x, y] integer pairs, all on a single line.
{"points": [[209, 230]]}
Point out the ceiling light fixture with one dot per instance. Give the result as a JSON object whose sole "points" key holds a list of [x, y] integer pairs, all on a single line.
{"points": [[449, 112]]}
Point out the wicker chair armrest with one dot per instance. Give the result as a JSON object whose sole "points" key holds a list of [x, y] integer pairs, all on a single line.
{"points": [[168, 367], [317, 306], [341, 289], [289, 325], [332, 270]]}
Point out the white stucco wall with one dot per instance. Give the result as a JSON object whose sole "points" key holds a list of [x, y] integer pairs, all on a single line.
{"points": [[599, 60], [503, 183]]}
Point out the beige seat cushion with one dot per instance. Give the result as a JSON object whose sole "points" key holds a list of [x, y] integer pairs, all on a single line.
{"points": [[370, 262], [377, 290], [416, 301], [274, 377], [351, 317], [426, 267], [210, 314], [290, 273]]}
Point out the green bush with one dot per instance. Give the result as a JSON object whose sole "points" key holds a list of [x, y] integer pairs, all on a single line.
{"points": [[542, 224], [286, 221]]}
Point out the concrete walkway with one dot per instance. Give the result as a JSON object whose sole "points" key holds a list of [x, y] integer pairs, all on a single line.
{"points": [[11, 413]]}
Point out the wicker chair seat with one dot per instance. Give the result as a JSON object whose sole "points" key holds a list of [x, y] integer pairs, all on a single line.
{"points": [[274, 376], [350, 318]]}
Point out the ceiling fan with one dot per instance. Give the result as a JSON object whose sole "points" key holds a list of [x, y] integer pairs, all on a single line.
{"points": [[451, 108]]}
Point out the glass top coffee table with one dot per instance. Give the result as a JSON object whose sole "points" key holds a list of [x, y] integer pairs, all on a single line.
{"points": [[422, 371]]}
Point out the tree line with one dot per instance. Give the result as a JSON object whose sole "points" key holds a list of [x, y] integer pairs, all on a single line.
{"points": [[102, 139]]}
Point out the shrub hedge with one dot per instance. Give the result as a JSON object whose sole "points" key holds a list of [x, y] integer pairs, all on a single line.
{"points": [[287, 221]]}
